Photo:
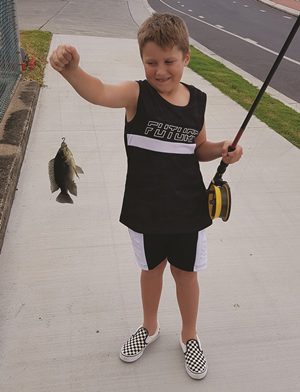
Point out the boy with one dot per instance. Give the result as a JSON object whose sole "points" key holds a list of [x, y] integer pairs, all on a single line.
{"points": [[165, 201]]}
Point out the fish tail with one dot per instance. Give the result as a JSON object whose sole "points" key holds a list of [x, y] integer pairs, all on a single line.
{"points": [[64, 198]]}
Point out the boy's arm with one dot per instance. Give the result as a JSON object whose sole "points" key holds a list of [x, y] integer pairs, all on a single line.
{"points": [[208, 151], [65, 59]]}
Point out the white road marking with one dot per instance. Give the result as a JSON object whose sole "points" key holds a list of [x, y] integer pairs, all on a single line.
{"points": [[201, 17], [220, 27], [263, 11], [287, 17], [190, 10], [245, 5], [251, 41], [229, 33]]}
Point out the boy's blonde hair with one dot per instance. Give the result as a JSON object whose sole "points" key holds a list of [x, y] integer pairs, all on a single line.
{"points": [[166, 31]]}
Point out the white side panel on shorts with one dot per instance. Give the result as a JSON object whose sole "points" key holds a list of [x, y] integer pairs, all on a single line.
{"points": [[139, 249], [201, 252]]}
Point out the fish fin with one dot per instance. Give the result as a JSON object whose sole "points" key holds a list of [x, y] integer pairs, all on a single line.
{"points": [[64, 198], [72, 188], [53, 186], [79, 170]]}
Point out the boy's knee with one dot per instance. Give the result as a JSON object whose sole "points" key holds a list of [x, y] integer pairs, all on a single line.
{"points": [[158, 270], [181, 276]]}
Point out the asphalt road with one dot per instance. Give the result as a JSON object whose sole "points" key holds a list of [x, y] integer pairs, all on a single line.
{"points": [[247, 33], [239, 31]]}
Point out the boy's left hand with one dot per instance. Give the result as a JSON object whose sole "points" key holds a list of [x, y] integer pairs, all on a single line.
{"points": [[233, 156]]}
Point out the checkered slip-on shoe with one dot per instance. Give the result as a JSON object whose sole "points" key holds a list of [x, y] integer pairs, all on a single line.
{"points": [[134, 347], [195, 362]]}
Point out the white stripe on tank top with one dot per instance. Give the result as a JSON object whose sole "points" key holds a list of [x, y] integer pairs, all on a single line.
{"points": [[148, 143]]}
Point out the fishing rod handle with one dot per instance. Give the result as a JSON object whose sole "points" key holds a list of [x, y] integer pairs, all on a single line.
{"points": [[217, 180], [222, 168]]}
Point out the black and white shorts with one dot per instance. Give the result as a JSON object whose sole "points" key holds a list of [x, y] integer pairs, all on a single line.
{"points": [[186, 251]]}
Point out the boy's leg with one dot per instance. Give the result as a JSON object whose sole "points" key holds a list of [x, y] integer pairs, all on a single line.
{"points": [[151, 288], [187, 290]]}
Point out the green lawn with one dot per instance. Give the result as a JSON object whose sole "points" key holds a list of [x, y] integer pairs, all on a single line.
{"points": [[274, 113]]}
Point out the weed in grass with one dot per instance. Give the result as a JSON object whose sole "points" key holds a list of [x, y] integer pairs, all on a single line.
{"points": [[36, 44]]}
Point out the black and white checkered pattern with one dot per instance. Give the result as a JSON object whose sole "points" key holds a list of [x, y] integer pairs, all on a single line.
{"points": [[135, 345], [195, 361]]}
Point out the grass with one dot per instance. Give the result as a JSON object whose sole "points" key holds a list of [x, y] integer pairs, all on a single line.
{"points": [[272, 112], [36, 44]]}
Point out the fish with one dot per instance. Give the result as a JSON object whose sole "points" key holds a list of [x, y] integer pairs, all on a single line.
{"points": [[62, 170]]}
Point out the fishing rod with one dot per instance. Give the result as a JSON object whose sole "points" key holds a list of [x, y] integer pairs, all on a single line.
{"points": [[219, 195]]}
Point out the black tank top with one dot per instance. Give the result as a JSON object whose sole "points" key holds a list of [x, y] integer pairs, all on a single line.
{"points": [[164, 191]]}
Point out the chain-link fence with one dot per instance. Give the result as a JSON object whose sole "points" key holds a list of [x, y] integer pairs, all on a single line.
{"points": [[9, 53]]}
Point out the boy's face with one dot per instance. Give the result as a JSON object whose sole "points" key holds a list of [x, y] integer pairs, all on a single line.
{"points": [[164, 66]]}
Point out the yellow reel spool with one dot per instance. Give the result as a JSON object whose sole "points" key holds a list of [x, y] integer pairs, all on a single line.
{"points": [[219, 201]]}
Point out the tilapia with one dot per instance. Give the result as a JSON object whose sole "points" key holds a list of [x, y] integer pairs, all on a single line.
{"points": [[62, 170]]}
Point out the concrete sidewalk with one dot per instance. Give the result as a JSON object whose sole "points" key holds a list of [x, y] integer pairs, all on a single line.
{"points": [[68, 282]]}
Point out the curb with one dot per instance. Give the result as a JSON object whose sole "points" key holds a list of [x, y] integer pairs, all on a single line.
{"points": [[250, 78], [281, 7], [15, 130]]}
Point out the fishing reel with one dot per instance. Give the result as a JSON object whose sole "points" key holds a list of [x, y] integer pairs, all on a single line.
{"points": [[219, 200], [219, 195]]}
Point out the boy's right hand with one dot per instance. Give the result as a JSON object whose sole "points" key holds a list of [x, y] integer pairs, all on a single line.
{"points": [[64, 58]]}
